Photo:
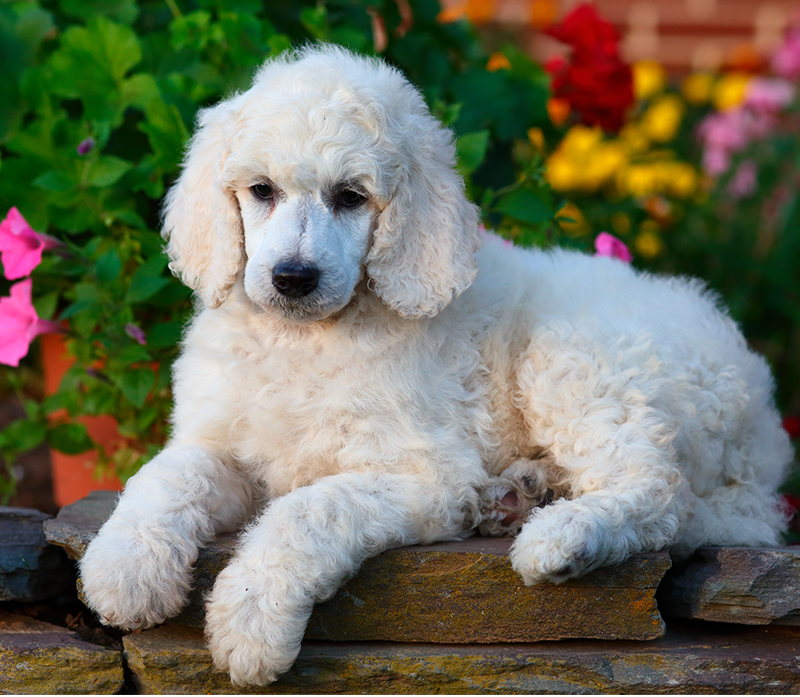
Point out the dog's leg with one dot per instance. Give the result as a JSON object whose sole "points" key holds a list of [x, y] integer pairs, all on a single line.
{"points": [[305, 545], [611, 449], [137, 571]]}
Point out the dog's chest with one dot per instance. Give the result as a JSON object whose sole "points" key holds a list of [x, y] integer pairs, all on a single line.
{"points": [[302, 412]]}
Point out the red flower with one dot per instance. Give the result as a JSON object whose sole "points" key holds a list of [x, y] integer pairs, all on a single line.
{"points": [[791, 507], [594, 80], [791, 425]]}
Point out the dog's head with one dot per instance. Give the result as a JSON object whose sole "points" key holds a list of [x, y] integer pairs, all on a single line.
{"points": [[328, 168]]}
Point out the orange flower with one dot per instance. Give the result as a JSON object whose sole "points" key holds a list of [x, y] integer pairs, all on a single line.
{"points": [[498, 61], [558, 111]]}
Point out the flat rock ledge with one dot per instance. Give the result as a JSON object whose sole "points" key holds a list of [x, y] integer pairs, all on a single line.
{"points": [[743, 585], [457, 592], [30, 568], [691, 659], [41, 658]]}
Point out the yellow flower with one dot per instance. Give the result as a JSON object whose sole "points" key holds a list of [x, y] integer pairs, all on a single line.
{"points": [[498, 61], [632, 136], [729, 92], [696, 89], [602, 164], [561, 173], [536, 138], [648, 242], [681, 179], [571, 220], [639, 180], [584, 161], [661, 121], [580, 140], [649, 79]]}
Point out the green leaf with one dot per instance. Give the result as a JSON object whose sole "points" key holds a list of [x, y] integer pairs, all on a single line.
{"points": [[315, 21], [108, 266], [471, 149], [71, 439], [124, 11], [46, 304], [136, 384], [54, 181], [139, 90], [164, 334], [525, 206], [22, 435], [166, 132], [146, 281], [75, 308], [107, 170], [91, 64]]}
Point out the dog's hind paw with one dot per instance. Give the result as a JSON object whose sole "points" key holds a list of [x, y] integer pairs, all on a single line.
{"points": [[507, 501]]}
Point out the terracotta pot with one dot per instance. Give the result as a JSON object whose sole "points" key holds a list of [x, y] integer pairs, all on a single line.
{"points": [[74, 475]]}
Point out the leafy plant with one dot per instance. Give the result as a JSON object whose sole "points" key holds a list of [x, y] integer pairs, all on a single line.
{"points": [[97, 100]]}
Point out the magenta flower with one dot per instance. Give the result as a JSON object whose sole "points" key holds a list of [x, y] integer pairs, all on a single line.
{"points": [[21, 246], [19, 323], [786, 60], [136, 333], [609, 246], [726, 133], [85, 146], [769, 94], [744, 181]]}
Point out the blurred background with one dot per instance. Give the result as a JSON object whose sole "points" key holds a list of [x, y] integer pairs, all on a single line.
{"points": [[681, 35]]}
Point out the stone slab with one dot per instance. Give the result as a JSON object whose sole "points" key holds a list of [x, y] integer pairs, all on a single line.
{"points": [[736, 584], [41, 658], [457, 592], [467, 592], [30, 568], [689, 660], [76, 525]]}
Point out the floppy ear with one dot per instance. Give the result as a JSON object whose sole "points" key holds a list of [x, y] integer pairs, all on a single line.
{"points": [[202, 223], [423, 247]]}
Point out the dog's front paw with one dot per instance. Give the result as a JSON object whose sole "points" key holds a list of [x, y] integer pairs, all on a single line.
{"points": [[255, 623], [556, 546], [133, 580]]}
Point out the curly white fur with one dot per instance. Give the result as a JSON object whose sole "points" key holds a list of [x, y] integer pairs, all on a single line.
{"points": [[397, 401]]}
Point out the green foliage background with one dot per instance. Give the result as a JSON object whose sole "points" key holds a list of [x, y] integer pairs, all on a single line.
{"points": [[131, 75]]}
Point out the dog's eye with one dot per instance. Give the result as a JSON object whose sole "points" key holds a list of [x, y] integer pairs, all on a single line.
{"points": [[263, 191], [347, 198]]}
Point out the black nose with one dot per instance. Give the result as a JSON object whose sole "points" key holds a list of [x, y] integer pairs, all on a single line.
{"points": [[294, 280]]}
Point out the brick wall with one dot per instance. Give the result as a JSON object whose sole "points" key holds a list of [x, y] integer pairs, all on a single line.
{"points": [[682, 35]]}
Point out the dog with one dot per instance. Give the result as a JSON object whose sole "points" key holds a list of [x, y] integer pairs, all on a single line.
{"points": [[367, 368]]}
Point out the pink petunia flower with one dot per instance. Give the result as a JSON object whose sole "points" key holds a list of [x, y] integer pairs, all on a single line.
{"points": [[21, 246], [19, 323], [744, 181], [724, 134], [607, 245], [769, 94], [786, 60]]}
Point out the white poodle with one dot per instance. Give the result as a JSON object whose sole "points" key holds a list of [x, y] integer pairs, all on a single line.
{"points": [[370, 371]]}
